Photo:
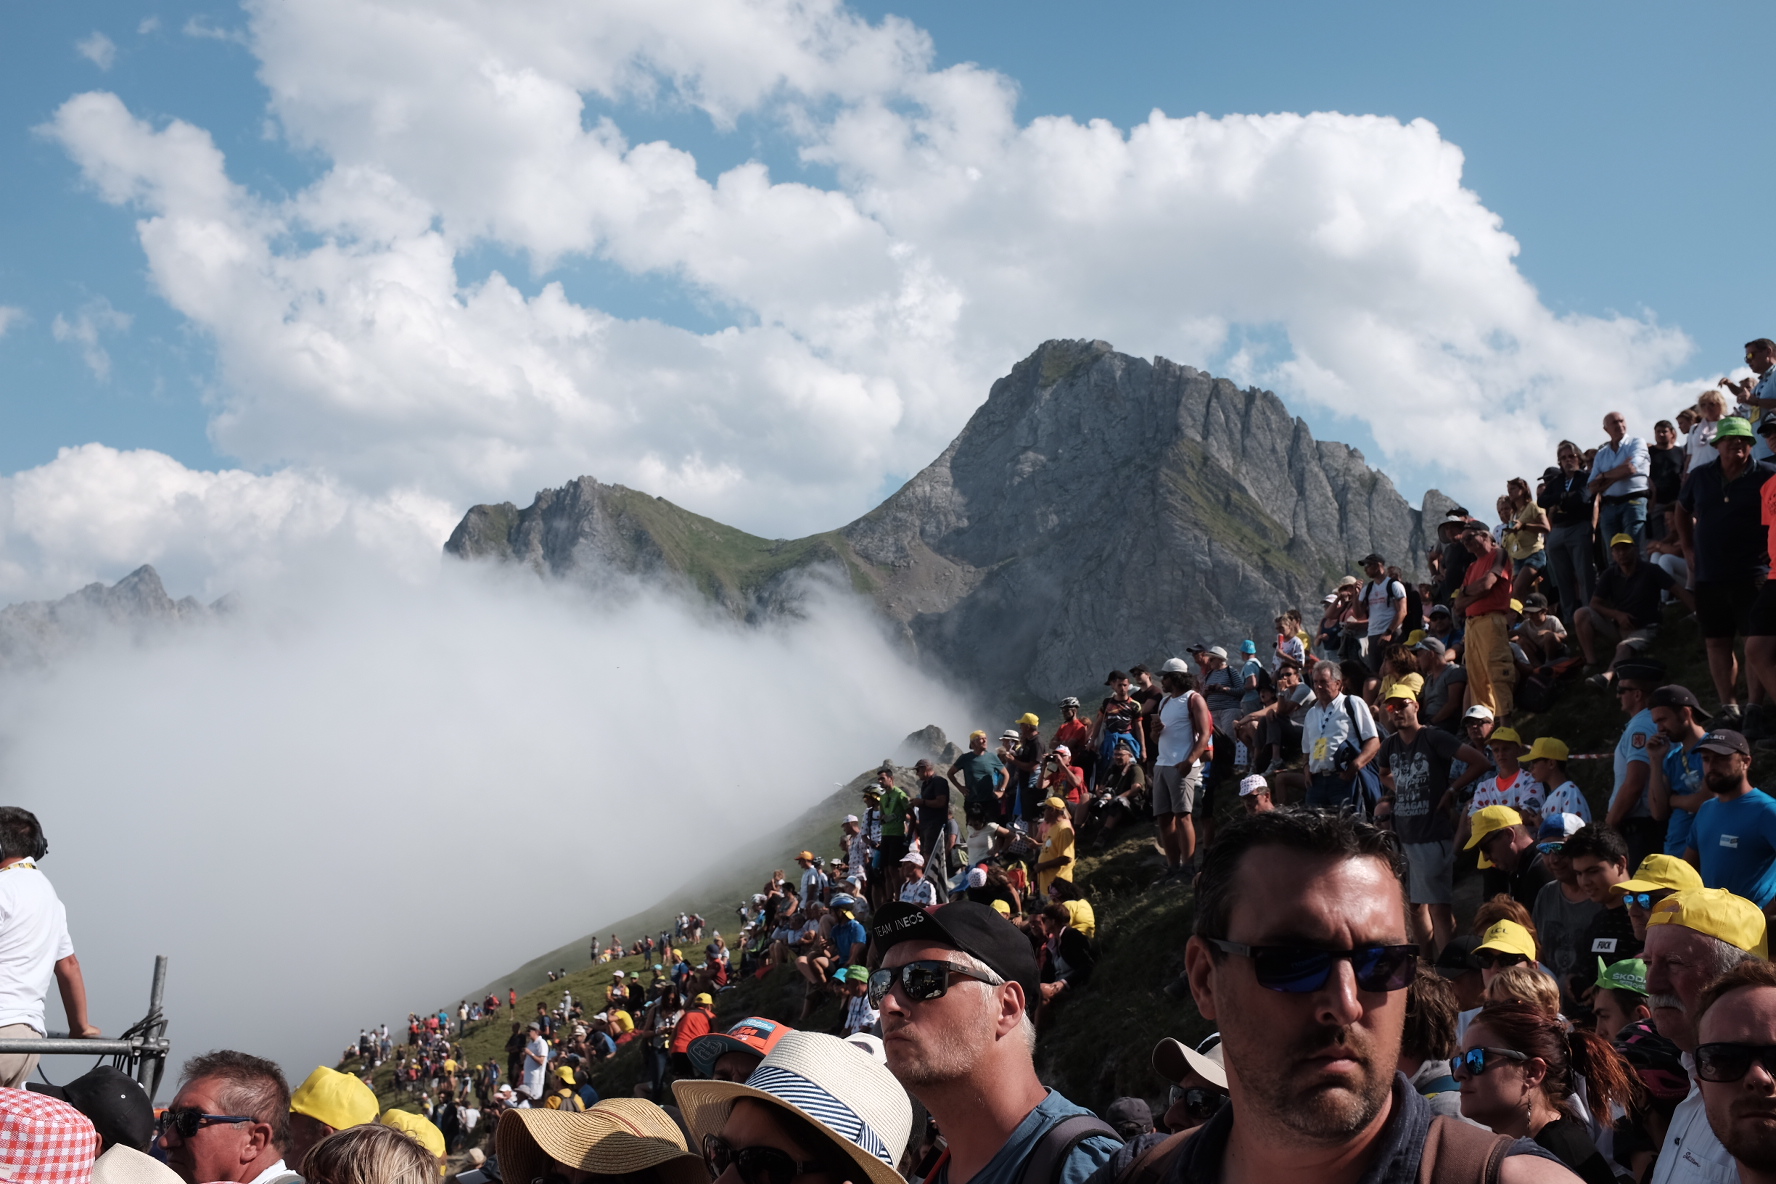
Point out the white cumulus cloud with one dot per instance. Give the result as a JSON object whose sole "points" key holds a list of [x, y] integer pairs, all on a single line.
{"points": [[929, 241], [84, 330]]}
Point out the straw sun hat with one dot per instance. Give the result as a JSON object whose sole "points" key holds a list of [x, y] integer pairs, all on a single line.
{"points": [[846, 1093], [615, 1136]]}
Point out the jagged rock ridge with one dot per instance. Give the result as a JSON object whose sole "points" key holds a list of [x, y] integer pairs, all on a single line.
{"points": [[35, 631], [1097, 509]]}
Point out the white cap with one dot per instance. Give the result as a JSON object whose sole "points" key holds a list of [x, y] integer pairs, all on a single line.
{"points": [[1478, 711], [1219, 652], [1328, 598], [977, 877], [914, 858], [850, 818], [1063, 750], [616, 974], [1175, 666], [1253, 784]]}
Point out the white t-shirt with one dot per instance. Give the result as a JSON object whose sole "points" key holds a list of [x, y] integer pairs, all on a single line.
{"points": [[1567, 798], [33, 938], [1700, 443], [1524, 792], [1178, 734], [1325, 730], [531, 1080], [1376, 595]]}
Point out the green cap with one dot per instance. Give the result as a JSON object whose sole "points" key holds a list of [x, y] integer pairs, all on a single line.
{"points": [[1732, 425], [857, 974], [1627, 975]]}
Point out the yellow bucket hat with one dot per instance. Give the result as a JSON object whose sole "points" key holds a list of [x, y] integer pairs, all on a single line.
{"points": [[1658, 872], [1719, 914], [419, 1128], [337, 1099], [1488, 821], [613, 1138]]}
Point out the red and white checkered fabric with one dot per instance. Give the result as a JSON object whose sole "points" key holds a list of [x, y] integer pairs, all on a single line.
{"points": [[43, 1141]]}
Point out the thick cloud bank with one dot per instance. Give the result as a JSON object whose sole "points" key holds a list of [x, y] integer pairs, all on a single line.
{"points": [[360, 798], [926, 240]]}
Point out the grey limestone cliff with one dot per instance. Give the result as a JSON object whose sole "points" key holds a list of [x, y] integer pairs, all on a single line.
{"points": [[1098, 509], [34, 632]]}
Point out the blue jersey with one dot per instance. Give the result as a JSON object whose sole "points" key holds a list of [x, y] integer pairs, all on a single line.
{"points": [[1629, 749], [1736, 839], [1683, 773]]}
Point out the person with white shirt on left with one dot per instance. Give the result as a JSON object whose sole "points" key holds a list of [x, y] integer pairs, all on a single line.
{"points": [[34, 946]]}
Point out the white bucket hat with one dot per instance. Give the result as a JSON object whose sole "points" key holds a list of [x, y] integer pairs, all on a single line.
{"points": [[844, 1091]]}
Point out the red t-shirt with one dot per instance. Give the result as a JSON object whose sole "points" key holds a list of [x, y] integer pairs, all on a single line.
{"points": [[694, 1024], [1074, 733], [1495, 601], [1769, 495]]}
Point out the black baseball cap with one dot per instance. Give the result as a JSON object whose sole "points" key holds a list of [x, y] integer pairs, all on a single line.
{"points": [[1767, 424], [1457, 958], [1676, 696], [967, 926], [112, 1101], [1372, 557], [1723, 741]]}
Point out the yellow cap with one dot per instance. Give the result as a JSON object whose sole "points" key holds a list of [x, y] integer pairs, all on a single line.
{"points": [[1414, 637], [1506, 734], [1003, 908], [1516, 605], [1509, 937], [1719, 914], [1399, 690], [1618, 540], [1028, 718], [337, 1099], [1546, 748], [416, 1127], [1488, 821], [1658, 872], [566, 1073], [704, 999], [1054, 803], [977, 732]]}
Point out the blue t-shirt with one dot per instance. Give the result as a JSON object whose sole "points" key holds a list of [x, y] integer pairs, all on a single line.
{"points": [[1092, 1153], [1630, 748], [1737, 842], [847, 934], [1683, 773], [1249, 701]]}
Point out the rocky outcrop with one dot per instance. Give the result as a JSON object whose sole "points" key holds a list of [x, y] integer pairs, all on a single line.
{"points": [[1097, 510], [34, 632]]}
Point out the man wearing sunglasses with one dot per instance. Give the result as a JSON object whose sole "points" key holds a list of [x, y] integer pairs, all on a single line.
{"points": [[230, 1121], [956, 989], [1693, 938], [1736, 1064], [1301, 954]]}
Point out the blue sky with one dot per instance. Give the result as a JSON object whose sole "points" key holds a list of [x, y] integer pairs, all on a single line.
{"points": [[1620, 144]]}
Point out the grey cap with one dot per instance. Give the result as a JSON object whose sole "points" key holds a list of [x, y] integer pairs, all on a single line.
{"points": [[1432, 644]]}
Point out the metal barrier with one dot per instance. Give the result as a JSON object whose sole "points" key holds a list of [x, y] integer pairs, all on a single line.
{"points": [[141, 1051]]}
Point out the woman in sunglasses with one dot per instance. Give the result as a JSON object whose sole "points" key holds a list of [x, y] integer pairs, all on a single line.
{"points": [[1518, 1070], [813, 1112], [617, 1137]]}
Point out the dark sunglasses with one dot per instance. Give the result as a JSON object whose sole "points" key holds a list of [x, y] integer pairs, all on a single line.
{"points": [[1476, 1061], [1200, 1103], [922, 981], [1299, 969], [1731, 1062], [188, 1120], [1496, 959], [755, 1165]]}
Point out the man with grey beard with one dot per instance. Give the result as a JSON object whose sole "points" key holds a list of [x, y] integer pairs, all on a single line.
{"points": [[1302, 956], [1694, 937], [954, 992]]}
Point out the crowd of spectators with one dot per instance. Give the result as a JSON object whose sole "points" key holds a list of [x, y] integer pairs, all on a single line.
{"points": [[1601, 1007]]}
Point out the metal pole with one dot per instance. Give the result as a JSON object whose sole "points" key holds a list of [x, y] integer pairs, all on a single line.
{"points": [[152, 1066]]}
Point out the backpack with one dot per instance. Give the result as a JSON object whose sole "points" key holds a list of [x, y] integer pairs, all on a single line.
{"points": [[1366, 787], [1454, 1153], [1049, 1157]]}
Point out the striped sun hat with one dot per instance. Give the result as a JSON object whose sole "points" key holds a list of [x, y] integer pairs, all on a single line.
{"points": [[44, 1141], [847, 1094]]}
